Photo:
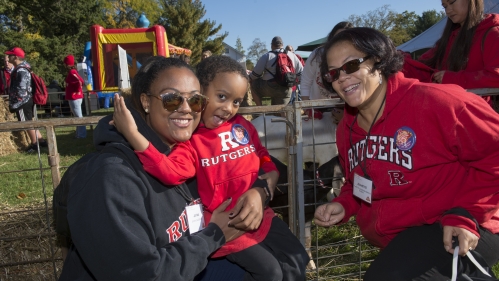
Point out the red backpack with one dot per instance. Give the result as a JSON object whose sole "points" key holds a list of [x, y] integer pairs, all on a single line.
{"points": [[38, 88], [285, 73]]}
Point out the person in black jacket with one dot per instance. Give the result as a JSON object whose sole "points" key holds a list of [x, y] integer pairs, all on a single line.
{"points": [[125, 225]]}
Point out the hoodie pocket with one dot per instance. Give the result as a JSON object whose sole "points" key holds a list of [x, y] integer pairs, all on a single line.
{"points": [[381, 221], [233, 187], [396, 215]]}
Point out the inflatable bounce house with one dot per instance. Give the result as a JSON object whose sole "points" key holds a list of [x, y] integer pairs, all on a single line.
{"points": [[139, 44], [101, 55]]}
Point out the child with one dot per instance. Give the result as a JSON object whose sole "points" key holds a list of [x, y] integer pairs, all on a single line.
{"points": [[225, 155]]}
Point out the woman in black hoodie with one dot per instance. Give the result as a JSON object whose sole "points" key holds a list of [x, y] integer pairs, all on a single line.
{"points": [[125, 225]]}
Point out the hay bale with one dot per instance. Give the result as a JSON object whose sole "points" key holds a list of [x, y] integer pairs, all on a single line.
{"points": [[10, 142]]}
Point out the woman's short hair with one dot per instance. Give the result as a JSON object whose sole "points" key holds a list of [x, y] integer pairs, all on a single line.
{"points": [[148, 73], [208, 68], [371, 42]]}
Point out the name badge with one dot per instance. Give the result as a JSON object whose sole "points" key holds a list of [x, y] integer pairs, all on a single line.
{"points": [[195, 217], [362, 188]]}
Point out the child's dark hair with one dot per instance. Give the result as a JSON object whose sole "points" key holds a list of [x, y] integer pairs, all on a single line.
{"points": [[208, 68]]}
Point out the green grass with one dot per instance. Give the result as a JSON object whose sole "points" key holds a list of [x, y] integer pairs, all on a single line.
{"points": [[21, 175]]}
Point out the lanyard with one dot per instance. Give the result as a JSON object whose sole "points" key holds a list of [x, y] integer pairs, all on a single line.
{"points": [[184, 194], [364, 157]]}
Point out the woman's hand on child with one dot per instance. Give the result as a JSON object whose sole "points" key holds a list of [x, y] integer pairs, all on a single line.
{"points": [[271, 178], [221, 218], [248, 212]]}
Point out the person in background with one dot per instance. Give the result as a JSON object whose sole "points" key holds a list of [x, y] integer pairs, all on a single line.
{"points": [[185, 58], [126, 225], [5, 76], [206, 54], [311, 87], [21, 97], [466, 53], [262, 79], [74, 93], [295, 96], [420, 160]]}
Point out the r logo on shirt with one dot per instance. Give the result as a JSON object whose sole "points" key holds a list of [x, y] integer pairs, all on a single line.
{"points": [[397, 178]]}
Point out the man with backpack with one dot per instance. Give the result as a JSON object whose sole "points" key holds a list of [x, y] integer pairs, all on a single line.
{"points": [[275, 74], [20, 95]]}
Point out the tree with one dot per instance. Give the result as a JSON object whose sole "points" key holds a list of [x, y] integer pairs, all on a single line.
{"points": [[239, 46], [381, 19], [249, 64], [184, 28], [48, 30], [403, 27], [426, 20], [256, 50], [124, 13]]}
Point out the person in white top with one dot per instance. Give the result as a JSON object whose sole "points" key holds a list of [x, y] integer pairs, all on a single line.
{"points": [[311, 87]]}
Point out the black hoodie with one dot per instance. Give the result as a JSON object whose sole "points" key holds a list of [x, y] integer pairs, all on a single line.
{"points": [[125, 224]]}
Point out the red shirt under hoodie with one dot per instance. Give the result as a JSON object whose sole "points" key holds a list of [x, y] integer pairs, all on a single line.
{"points": [[482, 69], [224, 168], [453, 163], [74, 84]]}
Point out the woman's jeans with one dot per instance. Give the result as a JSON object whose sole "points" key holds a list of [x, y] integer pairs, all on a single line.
{"points": [[75, 105]]}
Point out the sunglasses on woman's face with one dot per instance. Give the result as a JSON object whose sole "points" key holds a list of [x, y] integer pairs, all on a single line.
{"points": [[173, 101], [349, 67]]}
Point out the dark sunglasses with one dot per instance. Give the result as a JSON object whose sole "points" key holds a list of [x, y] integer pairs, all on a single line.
{"points": [[173, 101], [349, 67]]}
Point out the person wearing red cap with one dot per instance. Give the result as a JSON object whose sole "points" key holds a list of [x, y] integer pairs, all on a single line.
{"points": [[74, 93], [21, 97]]}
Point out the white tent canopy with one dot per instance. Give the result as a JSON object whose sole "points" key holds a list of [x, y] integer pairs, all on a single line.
{"points": [[428, 38]]}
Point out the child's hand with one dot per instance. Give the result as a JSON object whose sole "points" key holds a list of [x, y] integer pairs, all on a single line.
{"points": [[122, 118], [125, 124], [271, 178]]}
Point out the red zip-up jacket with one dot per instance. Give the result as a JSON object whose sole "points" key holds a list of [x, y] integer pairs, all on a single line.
{"points": [[224, 168], [74, 84], [482, 69], [454, 161]]}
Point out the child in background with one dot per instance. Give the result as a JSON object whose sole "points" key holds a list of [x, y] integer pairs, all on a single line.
{"points": [[225, 154]]}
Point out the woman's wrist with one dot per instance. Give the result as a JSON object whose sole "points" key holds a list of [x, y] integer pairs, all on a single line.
{"points": [[264, 195]]}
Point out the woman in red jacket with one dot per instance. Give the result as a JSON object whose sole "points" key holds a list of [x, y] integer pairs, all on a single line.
{"points": [[74, 93], [420, 160], [466, 54]]}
